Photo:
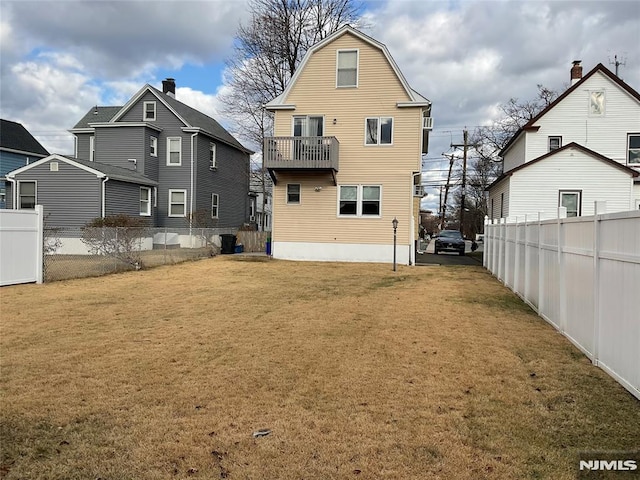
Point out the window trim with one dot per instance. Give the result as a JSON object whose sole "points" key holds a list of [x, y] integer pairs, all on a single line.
{"points": [[213, 159], [289, 202], [571, 191], [345, 50], [359, 201], [169, 164], [215, 204], [153, 146], [92, 148], [144, 112], [147, 213], [177, 190], [551, 137], [629, 162], [378, 132], [35, 194]]}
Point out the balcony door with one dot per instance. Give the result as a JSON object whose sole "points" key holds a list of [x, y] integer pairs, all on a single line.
{"points": [[310, 130], [308, 126]]}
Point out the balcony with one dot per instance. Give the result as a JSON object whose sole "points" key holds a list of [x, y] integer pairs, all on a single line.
{"points": [[301, 153]]}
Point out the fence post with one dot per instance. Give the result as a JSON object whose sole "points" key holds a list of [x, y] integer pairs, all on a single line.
{"points": [[527, 281], [39, 209], [485, 248], [562, 321], [540, 267], [599, 208], [516, 256]]}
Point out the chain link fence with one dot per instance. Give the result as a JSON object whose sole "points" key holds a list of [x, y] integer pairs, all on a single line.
{"points": [[89, 252]]}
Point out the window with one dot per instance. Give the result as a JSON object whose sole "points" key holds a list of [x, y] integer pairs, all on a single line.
{"points": [[92, 148], [149, 111], [571, 201], [359, 200], [308, 126], [596, 102], [378, 131], [177, 203], [347, 71], [555, 143], [215, 205], [174, 151], [153, 146], [293, 193], [26, 195], [634, 148], [145, 201], [212, 156]]}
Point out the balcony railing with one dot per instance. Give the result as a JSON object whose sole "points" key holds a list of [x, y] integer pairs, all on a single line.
{"points": [[301, 153]]}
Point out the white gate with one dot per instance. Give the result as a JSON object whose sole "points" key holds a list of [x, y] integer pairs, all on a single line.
{"points": [[21, 236]]}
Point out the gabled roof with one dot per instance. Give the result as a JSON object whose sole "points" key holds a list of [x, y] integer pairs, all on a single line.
{"points": [[577, 146], [530, 125], [15, 138], [416, 100], [97, 114], [100, 170], [190, 117]]}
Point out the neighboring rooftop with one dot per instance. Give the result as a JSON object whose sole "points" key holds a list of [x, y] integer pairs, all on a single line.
{"points": [[14, 137]]}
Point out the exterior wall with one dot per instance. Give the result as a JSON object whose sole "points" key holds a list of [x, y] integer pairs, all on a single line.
{"points": [[230, 180], [116, 146], [340, 252], [605, 134], [495, 195], [516, 154], [124, 198], [70, 196], [82, 145], [536, 188], [315, 93]]}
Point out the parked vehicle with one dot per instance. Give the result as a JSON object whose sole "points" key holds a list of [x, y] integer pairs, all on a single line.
{"points": [[449, 241]]}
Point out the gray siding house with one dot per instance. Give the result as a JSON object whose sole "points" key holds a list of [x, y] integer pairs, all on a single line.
{"points": [[168, 162], [74, 192], [17, 149]]}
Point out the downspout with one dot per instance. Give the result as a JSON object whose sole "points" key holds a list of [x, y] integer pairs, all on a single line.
{"points": [[412, 226], [191, 189], [14, 193], [104, 196]]}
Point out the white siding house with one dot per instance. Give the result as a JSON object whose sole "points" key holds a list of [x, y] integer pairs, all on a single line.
{"points": [[582, 148]]}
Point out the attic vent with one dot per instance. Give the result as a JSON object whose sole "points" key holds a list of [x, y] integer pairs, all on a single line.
{"points": [[53, 166], [427, 123]]}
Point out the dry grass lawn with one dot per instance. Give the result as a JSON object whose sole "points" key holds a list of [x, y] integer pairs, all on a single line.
{"points": [[431, 372]]}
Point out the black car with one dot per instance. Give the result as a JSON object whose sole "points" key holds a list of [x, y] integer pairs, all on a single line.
{"points": [[449, 241]]}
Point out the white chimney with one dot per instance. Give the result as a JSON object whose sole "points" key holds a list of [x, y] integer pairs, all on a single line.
{"points": [[576, 72]]}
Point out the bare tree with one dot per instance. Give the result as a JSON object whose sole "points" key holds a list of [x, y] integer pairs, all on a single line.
{"points": [[268, 50], [487, 142]]}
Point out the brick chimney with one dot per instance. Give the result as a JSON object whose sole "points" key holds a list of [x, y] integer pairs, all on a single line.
{"points": [[169, 87], [576, 72]]}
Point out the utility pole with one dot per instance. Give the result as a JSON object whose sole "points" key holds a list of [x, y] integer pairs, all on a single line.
{"points": [[465, 147], [446, 193]]}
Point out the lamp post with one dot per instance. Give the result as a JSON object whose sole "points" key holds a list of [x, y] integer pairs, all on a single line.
{"points": [[394, 222]]}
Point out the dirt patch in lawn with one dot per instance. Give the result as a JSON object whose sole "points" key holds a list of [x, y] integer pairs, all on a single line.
{"points": [[357, 371]]}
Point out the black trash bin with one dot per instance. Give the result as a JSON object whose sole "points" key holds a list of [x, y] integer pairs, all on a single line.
{"points": [[228, 243]]}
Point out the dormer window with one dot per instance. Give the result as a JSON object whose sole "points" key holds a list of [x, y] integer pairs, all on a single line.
{"points": [[149, 111], [347, 68]]}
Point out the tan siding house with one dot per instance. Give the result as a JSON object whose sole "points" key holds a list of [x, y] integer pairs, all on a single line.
{"points": [[346, 155]]}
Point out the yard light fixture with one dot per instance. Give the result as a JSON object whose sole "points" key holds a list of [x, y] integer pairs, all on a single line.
{"points": [[394, 222]]}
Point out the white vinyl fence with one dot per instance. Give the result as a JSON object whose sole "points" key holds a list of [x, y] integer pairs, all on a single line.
{"points": [[580, 274], [21, 246]]}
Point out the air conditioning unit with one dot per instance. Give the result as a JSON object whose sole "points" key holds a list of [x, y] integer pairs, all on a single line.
{"points": [[427, 123], [252, 218]]}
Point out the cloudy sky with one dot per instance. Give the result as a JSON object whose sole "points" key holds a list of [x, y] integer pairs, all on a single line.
{"points": [[59, 58]]}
